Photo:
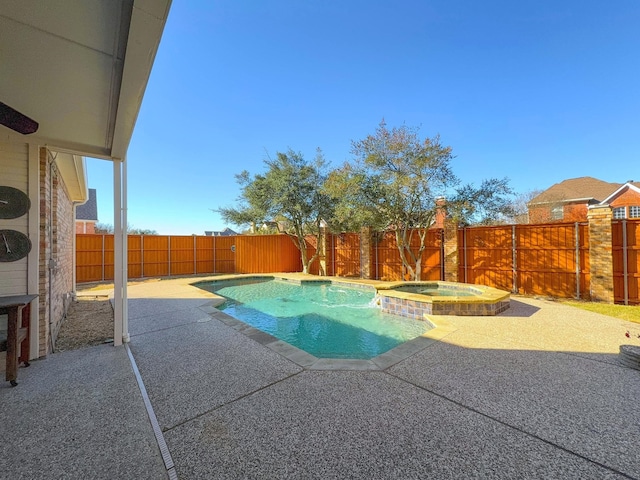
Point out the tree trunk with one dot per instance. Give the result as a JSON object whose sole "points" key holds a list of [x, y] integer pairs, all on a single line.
{"points": [[418, 257], [401, 242], [302, 245], [319, 239], [418, 272]]}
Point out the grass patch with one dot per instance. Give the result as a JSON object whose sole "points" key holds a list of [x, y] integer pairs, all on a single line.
{"points": [[623, 312]]}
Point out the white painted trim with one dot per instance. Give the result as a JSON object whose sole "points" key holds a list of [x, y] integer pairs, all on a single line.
{"points": [[75, 253], [125, 257], [33, 259], [72, 169], [81, 173], [80, 164], [145, 30], [117, 253]]}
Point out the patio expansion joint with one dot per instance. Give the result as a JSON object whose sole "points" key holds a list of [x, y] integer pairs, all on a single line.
{"points": [[151, 315], [162, 329], [513, 427], [218, 407], [157, 432]]}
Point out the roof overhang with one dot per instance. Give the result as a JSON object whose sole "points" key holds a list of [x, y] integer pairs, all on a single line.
{"points": [[562, 202], [79, 68], [73, 169]]}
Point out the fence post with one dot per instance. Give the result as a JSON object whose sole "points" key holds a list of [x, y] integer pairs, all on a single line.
{"points": [[365, 252], [514, 259], [333, 254], [464, 253], [442, 269], [142, 256], [377, 246], [450, 251], [625, 261], [214, 254], [577, 235], [103, 257], [601, 252], [169, 255], [195, 253], [322, 252]]}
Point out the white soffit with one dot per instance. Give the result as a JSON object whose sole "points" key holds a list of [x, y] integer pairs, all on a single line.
{"points": [[79, 68], [72, 168]]}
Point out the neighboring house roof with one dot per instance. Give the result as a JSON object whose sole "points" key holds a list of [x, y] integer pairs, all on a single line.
{"points": [[630, 184], [227, 232], [89, 209], [586, 189]]}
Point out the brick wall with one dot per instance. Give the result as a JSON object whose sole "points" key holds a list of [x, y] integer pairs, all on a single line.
{"points": [[63, 233], [366, 260], [45, 252], [85, 226], [451, 257], [601, 254], [575, 212], [56, 252], [572, 212]]}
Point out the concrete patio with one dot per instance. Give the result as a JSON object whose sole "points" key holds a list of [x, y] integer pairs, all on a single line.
{"points": [[535, 392]]}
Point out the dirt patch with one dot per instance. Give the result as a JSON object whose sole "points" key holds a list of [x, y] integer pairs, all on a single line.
{"points": [[89, 322]]}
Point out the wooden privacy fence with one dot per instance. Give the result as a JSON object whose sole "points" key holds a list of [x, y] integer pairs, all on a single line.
{"points": [[387, 264], [344, 255], [548, 259], [626, 261], [160, 255]]}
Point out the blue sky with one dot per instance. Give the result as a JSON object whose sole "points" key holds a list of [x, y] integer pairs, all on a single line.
{"points": [[534, 91]]}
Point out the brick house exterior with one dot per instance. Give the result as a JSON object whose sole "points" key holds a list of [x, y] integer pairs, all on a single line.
{"points": [[625, 201], [569, 200], [56, 244], [54, 183], [71, 88]]}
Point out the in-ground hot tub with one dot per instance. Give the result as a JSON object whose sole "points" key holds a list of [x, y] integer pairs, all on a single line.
{"points": [[417, 299]]}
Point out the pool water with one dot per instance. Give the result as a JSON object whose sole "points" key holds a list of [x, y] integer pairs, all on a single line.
{"points": [[326, 320]]}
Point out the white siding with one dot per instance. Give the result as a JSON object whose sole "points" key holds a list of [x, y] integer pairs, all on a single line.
{"points": [[14, 172]]}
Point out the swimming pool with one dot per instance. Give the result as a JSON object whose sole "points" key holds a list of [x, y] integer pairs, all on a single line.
{"points": [[324, 319]]}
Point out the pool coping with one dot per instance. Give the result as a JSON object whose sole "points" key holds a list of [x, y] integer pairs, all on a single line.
{"points": [[441, 328]]}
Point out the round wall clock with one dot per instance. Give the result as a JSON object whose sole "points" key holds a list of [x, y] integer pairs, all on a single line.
{"points": [[13, 202], [14, 245]]}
